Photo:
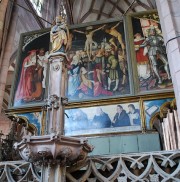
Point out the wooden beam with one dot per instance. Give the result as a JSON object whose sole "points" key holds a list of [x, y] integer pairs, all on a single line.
{"points": [[92, 5], [13, 65], [8, 86], [114, 7], [128, 3], [34, 13], [150, 4], [143, 5], [5, 102], [69, 10], [85, 16], [7, 91], [115, 4], [97, 11], [101, 9], [88, 12]]}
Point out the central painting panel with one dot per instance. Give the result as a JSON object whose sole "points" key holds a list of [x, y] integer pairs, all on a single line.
{"points": [[98, 63]]}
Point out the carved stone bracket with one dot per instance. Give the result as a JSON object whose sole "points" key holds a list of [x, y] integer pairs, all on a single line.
{"points": [[53, 101], [64, 101], [58, 57], [53, 149]]}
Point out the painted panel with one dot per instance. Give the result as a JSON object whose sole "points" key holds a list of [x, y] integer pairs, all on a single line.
{"points": [[98, 65], [152, 107], [103, 119], [150, 53]]}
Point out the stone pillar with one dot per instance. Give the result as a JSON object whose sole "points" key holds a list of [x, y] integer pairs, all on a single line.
{"points": [[54, 151], [5, 124], [170, 22], [56, 93], [53, 173], [7, 44], [3, 7]]}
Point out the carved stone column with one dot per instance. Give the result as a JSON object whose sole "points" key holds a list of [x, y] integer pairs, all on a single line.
{"points": [[56, 93], [54, 173], [54, 151], [168, 11]]}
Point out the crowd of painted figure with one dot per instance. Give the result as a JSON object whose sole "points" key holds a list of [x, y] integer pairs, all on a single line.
{"points": [[78, 119], [101, 67]]}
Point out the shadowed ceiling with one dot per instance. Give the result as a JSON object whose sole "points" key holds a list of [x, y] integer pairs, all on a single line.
{"points": [[81, 11]]}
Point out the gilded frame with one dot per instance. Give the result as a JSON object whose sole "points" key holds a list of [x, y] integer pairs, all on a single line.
{"points": [[29, 42], [141, 99], [103, 94], [136, 34], [98, 119]]}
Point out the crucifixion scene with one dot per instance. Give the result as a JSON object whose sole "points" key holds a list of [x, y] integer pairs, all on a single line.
{"points": [[98, 65]]}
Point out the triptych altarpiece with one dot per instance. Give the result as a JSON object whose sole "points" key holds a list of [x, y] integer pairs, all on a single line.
{"points": [[117, 75]]}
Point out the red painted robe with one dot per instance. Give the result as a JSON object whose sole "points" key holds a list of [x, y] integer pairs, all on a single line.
{"points": [[140, 57], [25, 86]]}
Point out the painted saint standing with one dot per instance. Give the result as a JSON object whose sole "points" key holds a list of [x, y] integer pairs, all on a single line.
{"points": [[156, 49]]}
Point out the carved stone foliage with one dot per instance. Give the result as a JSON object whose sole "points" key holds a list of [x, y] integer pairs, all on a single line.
{"points": [[19, 171], [145, 167]]}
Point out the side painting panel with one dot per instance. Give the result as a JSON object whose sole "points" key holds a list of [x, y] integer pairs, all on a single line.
{"points": [[150, 53], [34, 119], [152, 107], [31, 71]]}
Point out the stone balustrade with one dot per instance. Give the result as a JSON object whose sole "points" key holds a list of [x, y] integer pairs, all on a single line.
{"points": [[151, 166]]}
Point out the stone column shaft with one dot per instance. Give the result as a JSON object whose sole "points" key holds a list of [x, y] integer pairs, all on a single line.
{"points": [[53, 174], [169, 13], [57, 77]]}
